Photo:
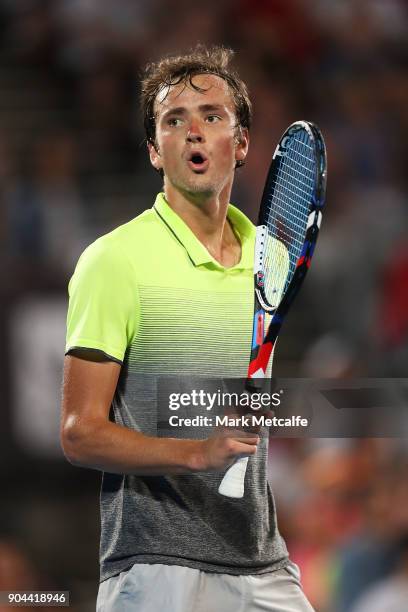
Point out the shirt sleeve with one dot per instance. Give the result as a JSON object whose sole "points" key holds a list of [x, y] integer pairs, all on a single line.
{"points": [[103, 311]]}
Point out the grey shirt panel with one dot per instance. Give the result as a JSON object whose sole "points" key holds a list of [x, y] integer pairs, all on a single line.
{"points": [[183, 520]]}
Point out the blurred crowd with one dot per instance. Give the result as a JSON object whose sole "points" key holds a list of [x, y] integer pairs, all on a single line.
{"points": [[73, 166], [343, 509]]}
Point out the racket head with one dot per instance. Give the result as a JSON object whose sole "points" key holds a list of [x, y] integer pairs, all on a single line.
{"points": [[291, 205], [288, 225]]}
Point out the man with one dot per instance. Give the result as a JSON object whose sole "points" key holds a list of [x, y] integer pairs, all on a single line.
{"points": [[170, 293]]}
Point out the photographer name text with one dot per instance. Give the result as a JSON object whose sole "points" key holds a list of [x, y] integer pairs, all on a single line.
{"points": [[241, 421]]}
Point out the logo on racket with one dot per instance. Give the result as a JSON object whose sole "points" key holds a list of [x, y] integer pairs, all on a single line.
{"points": [[281, 147]]}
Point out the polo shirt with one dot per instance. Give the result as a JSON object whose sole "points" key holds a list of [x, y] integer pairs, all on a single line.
{"points": [[150, 296]]}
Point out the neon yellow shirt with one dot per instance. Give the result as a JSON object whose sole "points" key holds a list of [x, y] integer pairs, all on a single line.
{"points": [[137, 295]]}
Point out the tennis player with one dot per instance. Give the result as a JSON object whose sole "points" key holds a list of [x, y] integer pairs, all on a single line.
{"points": [[171, 293]]}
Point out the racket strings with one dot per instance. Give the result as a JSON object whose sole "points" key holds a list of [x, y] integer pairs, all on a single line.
{"points": [[287, 214]]}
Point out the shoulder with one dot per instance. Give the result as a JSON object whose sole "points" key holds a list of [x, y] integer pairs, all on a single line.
{"points": [[119, 246]]}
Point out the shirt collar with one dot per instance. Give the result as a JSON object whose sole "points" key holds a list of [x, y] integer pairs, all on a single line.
{"points": [[195, 249]]}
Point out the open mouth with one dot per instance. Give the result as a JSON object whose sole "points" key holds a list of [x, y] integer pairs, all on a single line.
{"points": [[198, 162], [197, 159]]}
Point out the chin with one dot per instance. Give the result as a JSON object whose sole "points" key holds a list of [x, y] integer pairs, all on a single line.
{"points": [[199, 185], [204, 188]]}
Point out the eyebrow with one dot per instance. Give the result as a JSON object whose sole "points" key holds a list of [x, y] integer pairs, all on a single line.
{"points": [[204, 108]]}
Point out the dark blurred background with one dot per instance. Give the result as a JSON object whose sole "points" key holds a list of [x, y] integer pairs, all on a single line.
{"points": [[73, 166]]}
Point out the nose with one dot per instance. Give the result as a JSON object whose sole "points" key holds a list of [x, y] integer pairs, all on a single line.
{"points": [[194, 133]]}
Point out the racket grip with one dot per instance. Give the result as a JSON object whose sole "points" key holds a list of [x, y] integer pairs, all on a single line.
{"points": [[254, 385], [233, 483]]}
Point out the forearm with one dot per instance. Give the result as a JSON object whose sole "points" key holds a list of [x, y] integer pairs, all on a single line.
{"points": [[116, 449]]}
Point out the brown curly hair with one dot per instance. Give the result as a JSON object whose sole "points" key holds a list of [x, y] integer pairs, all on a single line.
{"points": [[181, 69]]}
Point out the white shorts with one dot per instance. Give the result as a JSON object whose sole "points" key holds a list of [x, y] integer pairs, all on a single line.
{"points": [[172, 588]]}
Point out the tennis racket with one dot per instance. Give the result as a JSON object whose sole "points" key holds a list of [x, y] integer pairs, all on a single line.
{"points": [[288, 225]]}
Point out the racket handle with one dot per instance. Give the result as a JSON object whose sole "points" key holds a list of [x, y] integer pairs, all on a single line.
{"points": [[254, 385], [233, 483]]}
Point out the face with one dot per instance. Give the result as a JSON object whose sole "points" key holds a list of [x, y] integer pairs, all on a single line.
{"points": [[197, 139]]}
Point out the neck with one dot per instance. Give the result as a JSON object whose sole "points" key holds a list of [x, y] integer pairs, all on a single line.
{"points": [[206, 216]]}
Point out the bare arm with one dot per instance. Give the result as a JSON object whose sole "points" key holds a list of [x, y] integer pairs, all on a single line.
{"points": [[90, 439]]}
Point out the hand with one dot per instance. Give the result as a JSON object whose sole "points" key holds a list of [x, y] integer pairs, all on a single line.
{"points": [[221, 449]]}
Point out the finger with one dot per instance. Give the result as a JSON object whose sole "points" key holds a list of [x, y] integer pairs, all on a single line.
{"points": [[249, 441], [243, 449]]}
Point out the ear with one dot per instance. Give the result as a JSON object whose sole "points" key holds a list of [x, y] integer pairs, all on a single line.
{"points": [[242, 145], [154, 155]]}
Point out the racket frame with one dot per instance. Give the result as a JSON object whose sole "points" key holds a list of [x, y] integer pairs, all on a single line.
{"points": [[262, 345]]}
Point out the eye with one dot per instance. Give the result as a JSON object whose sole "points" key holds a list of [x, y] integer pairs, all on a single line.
{"points": [[174, 122], [213, 118]]}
